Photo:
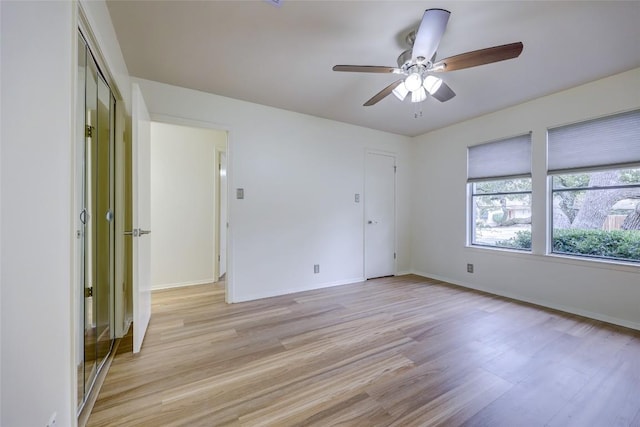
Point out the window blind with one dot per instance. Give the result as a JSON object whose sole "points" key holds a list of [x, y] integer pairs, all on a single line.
{"points": [[509, 157], [608, 141]]}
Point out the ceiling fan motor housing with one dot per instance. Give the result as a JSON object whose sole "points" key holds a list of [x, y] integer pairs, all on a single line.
{"points": [[404, 60]]}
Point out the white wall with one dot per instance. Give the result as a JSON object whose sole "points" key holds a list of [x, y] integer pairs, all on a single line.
{"points": [[183, 216], [300, 174], [37, 130], [599, 290]]}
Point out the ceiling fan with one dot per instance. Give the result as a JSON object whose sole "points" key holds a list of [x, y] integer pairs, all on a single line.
{"points": [[418, 65]]}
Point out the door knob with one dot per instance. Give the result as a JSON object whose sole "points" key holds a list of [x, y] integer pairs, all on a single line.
{"points": [[136, 232]]}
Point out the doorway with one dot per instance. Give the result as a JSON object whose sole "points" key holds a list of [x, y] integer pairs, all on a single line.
{"points": [[95, 219], [188, 204], [379, 215]]}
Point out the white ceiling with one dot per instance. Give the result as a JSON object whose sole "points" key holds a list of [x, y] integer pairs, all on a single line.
{"points": [[282, 56]]}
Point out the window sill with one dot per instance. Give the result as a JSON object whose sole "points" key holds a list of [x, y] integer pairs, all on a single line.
{"points": [[506, 251], [630, 267]]}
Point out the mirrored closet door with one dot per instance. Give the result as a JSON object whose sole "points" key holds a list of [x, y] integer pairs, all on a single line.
{"points": [[95, 173]]}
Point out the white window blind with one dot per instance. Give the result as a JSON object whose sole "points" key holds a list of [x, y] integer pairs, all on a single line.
{"points": [[510, 157], [608, 141]]}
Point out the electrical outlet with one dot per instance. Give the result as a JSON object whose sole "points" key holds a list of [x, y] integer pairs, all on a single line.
{"points": [[52, 420], [239, 193], [357, 198], [316, 268], [469, 268]]}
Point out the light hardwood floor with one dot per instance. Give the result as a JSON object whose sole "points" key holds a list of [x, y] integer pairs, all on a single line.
{"points": [[401, 351]]}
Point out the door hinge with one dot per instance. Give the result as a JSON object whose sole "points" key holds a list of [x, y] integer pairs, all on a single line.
{"points": [[394, 255], [88, 292], [88, 131], [395, 169]]}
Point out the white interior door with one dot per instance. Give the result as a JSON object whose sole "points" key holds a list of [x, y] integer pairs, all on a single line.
{"points": [[222, 263], [379, 215], [141, 183]]}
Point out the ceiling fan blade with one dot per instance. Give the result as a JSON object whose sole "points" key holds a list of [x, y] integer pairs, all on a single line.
{"points": [[367, 69], [428, 35], [479, 57], [444, 93], [383, 93]]}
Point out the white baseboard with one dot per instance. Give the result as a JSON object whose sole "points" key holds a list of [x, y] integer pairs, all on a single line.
{"points": [[308, 287], [181, 284], [560, 307]]}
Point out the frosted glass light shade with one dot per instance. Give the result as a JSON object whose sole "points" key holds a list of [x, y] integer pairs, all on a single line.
{"points": [[401, 91], [418, 95], [432, 84], [413, 82]]}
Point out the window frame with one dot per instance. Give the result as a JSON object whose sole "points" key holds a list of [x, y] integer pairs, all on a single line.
{"points": [[608, 127], [551, 193], [512, 145], [472, 209]]}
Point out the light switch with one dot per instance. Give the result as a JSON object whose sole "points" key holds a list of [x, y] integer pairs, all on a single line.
{"points": [[239, 193]]}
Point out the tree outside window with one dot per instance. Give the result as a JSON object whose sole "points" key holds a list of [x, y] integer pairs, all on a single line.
{"points": [[597, 214]]}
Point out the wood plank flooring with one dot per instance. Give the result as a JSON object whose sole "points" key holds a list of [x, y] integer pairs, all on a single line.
{"points": [[400, 351]]}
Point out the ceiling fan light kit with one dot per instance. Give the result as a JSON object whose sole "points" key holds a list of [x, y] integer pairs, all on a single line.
{"points": [[418, 95], [417, 64], [401, 91], [432, 84], [413, 82]]}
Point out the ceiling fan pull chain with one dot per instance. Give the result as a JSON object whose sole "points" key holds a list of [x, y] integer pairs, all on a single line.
{"points": [[417, 110]]}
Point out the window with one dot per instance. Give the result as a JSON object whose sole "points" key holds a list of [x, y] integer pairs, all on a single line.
{"points": [[595, 179], [499, 176], [502, 213]]}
